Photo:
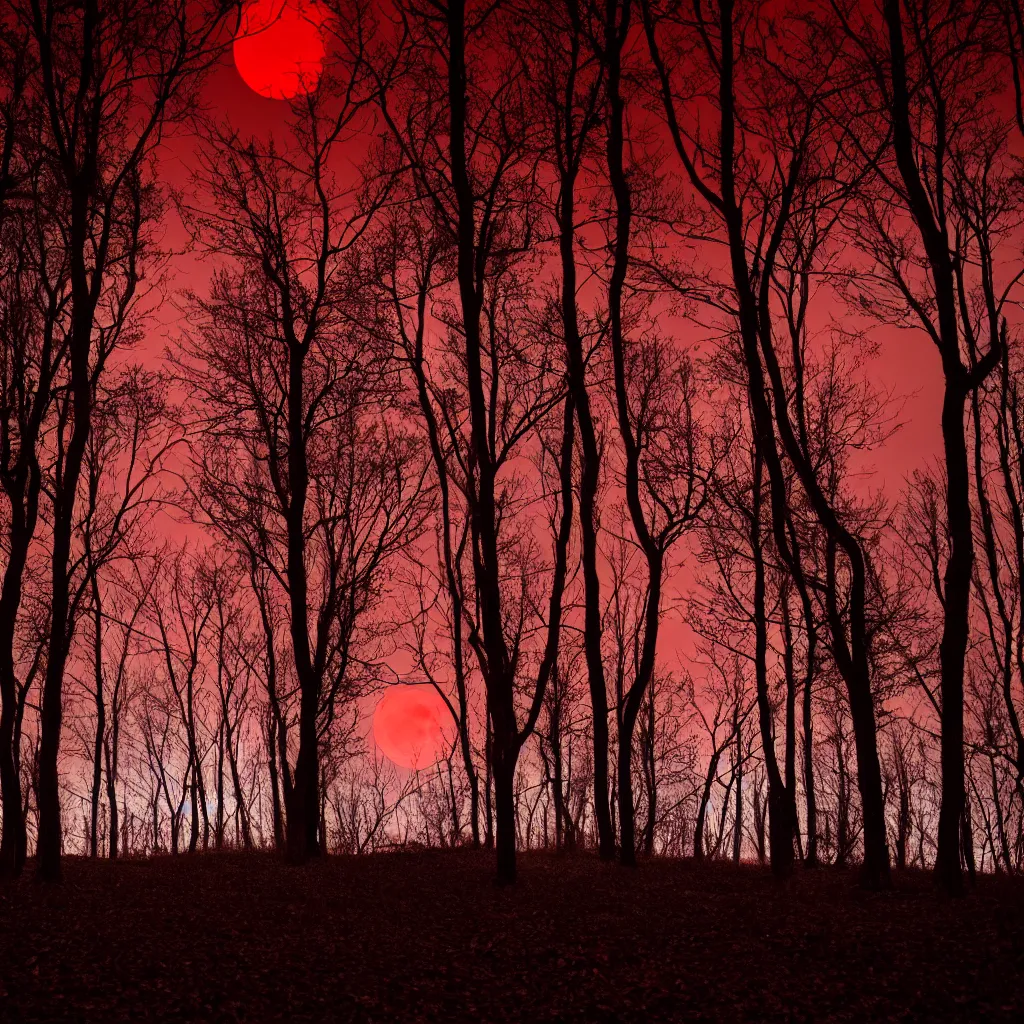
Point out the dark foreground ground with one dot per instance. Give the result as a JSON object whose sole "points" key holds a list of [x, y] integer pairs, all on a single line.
{"points": [[427, 937]]}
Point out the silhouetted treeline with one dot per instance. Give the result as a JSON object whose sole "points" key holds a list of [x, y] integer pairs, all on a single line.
{"points": [[546, 354]]}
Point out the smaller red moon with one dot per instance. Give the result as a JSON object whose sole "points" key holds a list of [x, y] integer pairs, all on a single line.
{"points": [[413, 726], [279, 47]]}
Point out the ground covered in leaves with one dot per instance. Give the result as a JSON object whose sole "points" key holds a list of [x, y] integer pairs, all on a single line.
{"points": [[426, 936]]}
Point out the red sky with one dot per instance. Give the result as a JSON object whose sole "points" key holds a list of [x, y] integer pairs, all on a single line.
{"points": [[907, 364]]}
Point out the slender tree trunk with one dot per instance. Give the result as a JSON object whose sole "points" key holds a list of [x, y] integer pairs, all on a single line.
{"points": [[737, 838], [554, 739], [21, 483], [488, 787], [651, 776], [589, 479], [218, 831], [14, 840], [275, 785], [1004, 846], [111, 754], [83, 307], [789, 671], [50, 837], [451, 557], [955, 636], [759, 809], [1011, 650], [241, 810], [499, 675], [958, 384], [156, 820], [101, 714], [902, 820], [627, 815], [780, 823], [811, 855], [702, 807], [505, 816], [616, 30], [842, 805], [304, 807], [193, 835], [967, 843], [562, 833]]}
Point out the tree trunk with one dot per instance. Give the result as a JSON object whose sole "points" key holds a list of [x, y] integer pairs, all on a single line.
{"points": [[702, 807], [218, 831], [651, 776], [842, 805], [955, 636], [505, 816], [589, 479], [275, 785], [737, 838], [958, 384], [303, 811], [627, 816], [470, 264], [780, 824], [83, 306], [811, 853], [101, 714], [111, 754], [616, 30], [14, 839], [489, 786]]}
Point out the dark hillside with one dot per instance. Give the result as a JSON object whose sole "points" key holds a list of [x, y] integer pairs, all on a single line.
{"points": [[428, 937]]}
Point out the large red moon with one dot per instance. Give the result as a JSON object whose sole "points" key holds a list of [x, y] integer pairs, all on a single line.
{"points": [[279, 47], [413, 726]]}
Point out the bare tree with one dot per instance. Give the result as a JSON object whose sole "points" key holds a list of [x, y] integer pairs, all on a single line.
{"points": [[33, 304], [923, 117], [109, 79], [302, 461], [562, 62], [721, 709], [458, 119], [181, 610], [131, 438], [755, 203]]}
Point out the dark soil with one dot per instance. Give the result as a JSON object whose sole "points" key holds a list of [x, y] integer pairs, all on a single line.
{"points": [[428, 937]]}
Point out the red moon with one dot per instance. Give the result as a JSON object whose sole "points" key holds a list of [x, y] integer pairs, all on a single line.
{"points": [[279, 48], [412, 726]]}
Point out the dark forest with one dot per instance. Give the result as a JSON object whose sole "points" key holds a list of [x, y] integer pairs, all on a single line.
{"points": [[525, 493]]}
